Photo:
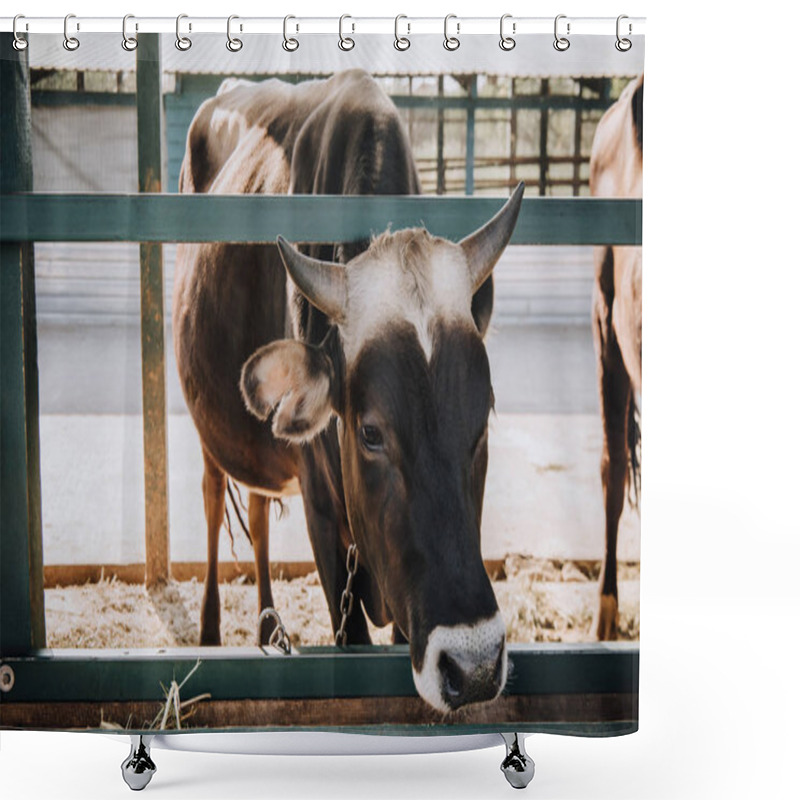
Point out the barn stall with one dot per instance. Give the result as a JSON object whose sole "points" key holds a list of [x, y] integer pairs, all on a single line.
{"points": [[471, 134]]}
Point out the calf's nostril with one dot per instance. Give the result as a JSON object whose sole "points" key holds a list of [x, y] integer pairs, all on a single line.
{"points": [[453, 677], [464, 681]]}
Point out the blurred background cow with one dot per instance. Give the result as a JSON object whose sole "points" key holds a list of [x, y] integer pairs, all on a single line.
{"points": [[616, 171]]}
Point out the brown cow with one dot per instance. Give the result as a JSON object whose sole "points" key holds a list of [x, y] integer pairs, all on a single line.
{"points": [[366, 387], [616, 171]]}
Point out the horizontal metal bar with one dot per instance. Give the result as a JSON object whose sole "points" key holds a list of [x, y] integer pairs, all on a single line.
{"points": [[304, 218], [521, 102], [60, 97], [324, 672]]}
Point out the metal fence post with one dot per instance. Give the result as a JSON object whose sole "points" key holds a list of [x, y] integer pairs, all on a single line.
{"points": [[544, 121], [469, 176], [154, 391], [21, 575]]}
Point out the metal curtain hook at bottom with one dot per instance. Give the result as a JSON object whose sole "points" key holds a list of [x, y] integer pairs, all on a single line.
{"points": [[19, 43]]}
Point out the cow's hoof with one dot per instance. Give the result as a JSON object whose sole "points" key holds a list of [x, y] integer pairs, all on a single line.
{"points": [[606, 619], [517, 766], [138, 768]]}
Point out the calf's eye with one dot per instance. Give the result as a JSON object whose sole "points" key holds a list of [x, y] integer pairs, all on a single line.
{"points": [[371, 437]]}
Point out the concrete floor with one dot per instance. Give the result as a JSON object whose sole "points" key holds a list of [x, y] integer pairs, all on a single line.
{"points": [[543, 494]]}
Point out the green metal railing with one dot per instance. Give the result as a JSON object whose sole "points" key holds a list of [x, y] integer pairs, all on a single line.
{"points": [[318, 672], [576, 689], [304, 218], [585, 689]]}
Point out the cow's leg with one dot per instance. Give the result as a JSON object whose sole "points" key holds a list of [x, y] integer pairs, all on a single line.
{"points": [[614, 472], [258, 518], [615, 395], [214, 499]]}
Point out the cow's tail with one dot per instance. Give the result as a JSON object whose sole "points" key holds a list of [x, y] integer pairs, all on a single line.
{"points": [[634, 452], [239, 509], [281, 509]]}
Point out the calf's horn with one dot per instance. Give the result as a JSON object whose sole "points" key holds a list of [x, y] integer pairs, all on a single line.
{"points": [[321, 282], [484, 247]]}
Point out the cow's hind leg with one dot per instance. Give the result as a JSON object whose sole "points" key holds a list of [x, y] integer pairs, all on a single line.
{"points": [[615, 395], [258, 518], [214, 499]]}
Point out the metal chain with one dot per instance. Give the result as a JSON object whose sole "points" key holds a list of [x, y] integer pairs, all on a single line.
{"points": [[346, 603], [278, 639]]}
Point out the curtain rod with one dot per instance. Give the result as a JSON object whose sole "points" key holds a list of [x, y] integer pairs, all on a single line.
{"points": [[460, 26]]}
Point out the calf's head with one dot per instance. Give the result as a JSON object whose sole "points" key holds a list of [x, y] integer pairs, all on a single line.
{"points": [[406, 372]]}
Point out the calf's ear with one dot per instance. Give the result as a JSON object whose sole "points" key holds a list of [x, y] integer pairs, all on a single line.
{"points": [[291, 382]]}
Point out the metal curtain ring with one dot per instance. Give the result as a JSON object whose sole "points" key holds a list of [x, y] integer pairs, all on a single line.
{"points": [[233, 44], [19, 43], [507, 42], [278, 638], [345, 42], [401, 42], [451, 42], [128, 42], [182, 42], [623, 45], [6, 672], [290, 44], [70, 42], [561, 43]]}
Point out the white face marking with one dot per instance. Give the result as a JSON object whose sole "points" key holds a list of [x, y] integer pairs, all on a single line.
{"points": [[382, 288], [469, 646]]}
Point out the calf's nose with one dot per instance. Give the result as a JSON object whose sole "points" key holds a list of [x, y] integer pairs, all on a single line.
{"points": [[466, 679], [463, 664]]}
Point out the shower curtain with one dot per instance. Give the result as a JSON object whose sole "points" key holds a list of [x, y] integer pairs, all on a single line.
{"points": [[321, 381]]}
